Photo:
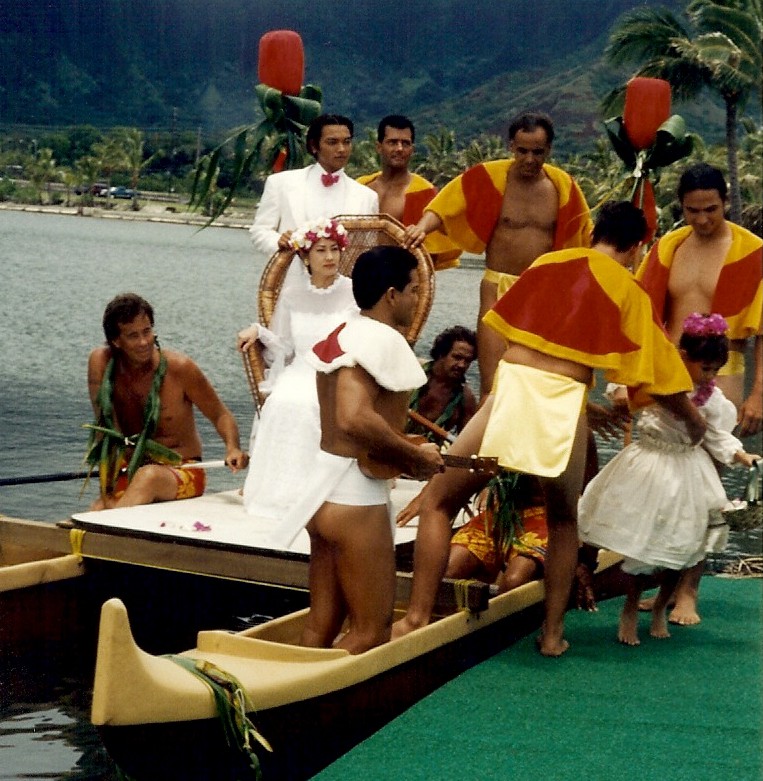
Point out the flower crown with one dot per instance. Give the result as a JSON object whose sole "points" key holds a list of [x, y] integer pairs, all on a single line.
{"points": [[305, 236], [697, 324]]}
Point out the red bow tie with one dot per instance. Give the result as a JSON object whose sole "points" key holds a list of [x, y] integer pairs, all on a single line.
{"points": [[329, 179]]}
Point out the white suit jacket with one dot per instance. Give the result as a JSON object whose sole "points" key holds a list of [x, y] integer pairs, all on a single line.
{"points": [[291, 198]]}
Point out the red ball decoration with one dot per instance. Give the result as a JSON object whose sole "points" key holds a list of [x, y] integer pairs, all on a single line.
{"points": [[647, 106], [281, 63]]}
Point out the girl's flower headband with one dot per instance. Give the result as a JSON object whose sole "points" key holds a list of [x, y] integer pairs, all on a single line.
{"points": [[697, 324]]}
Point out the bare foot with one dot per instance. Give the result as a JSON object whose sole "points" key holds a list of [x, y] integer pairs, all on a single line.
{"points": [[659, 627], [551, 646], [647, 605], [627, 631], [584, 596], [684, 614], [403, 627]]}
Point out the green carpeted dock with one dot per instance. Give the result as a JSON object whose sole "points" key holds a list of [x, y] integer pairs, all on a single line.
{"points": [[683, 709]]}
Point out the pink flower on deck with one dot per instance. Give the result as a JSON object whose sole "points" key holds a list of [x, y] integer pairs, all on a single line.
{"points": [[198, 526]]}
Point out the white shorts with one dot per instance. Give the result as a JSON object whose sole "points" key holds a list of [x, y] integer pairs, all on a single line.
{"points": [[357, 489]]}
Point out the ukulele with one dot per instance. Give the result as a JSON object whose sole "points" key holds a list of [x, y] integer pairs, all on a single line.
{"points": [[382, 470]]}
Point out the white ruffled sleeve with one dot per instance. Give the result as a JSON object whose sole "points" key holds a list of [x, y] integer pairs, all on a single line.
{"points": [[278, 340], [720, 415]]}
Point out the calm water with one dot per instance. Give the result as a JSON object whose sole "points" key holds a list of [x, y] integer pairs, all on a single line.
{"points": [[57, 275]]}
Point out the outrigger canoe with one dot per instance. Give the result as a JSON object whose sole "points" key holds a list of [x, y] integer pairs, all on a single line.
{"points": [[158, 720], [55, 577], [35, 584]]}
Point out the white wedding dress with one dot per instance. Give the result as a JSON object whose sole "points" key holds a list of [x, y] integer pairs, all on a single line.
{"points": [[286, 438], [653, 501]]}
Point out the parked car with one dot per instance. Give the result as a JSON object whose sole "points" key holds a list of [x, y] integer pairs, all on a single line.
{"points": [[95, 189], [123, 192]]}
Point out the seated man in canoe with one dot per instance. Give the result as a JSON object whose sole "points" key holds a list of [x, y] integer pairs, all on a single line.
{"points": [[505, 542], [571, 312], [144, 399], [366, 372], [446, 399]]}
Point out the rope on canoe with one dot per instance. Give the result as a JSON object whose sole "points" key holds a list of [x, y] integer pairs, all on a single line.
{"points": [[461, 592], [76, 540]]}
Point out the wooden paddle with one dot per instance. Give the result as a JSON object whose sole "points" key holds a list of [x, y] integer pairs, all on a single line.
{"points": [[417, 417], [57, 477]]}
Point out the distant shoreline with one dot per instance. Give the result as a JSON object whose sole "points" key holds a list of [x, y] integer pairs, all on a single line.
{"points": [[158, 213], [146, 213]]}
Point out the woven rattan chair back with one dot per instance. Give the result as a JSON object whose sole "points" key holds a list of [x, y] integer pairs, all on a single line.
{"points": [[364, 232]]}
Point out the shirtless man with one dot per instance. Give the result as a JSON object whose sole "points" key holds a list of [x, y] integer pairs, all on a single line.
{"points": [[513, 211], [710, 265], [124, 375], [366, 371], [446, 399], [541, 386], [402, 194]]}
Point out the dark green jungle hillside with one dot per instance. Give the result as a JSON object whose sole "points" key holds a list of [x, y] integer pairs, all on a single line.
{"points": [[191, 64]]}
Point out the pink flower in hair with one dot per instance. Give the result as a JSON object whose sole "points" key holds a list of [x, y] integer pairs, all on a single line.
{"points": [[697, 324]]}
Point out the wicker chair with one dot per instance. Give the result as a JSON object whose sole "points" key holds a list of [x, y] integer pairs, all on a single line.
{"points": [[364, 232]]}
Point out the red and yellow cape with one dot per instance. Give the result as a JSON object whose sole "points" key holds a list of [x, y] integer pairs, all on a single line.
{"points": [[418, 194], [470, 207], [739, 292], [582, 306]]}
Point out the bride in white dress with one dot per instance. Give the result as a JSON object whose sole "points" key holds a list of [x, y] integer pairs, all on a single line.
{"points": [[314, 299]]}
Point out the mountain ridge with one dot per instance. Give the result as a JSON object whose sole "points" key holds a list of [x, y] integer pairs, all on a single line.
{"points": [[192, 64]]}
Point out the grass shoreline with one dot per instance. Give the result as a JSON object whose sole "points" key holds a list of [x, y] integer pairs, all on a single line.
{"points": [[149, 212]]}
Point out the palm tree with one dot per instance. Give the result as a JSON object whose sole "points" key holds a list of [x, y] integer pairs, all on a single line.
{"points": [[88, 169], [133, 142], [482, 149], [441, 163], [364, 158], [112, 157], [42, 171], [720, 50], [71, 179]]}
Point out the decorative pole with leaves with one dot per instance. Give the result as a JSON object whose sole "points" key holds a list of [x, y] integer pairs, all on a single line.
{"points": [[647, 138], [278, 141]]}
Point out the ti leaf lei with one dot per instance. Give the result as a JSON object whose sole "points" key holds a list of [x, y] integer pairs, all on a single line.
{"points": [[233, 705], [107, 445], [503, 520]]}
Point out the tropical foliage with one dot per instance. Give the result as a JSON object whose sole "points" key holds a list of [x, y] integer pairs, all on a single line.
{"points": [[719, 48]]}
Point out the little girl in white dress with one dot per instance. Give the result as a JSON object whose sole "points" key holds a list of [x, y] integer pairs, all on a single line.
{"points": [[653, 501], [313, 300]]}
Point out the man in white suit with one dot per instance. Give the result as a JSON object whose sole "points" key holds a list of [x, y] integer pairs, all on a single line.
{"points": [[291, 198]]}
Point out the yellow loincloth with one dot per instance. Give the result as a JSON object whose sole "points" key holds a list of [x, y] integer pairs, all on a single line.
{"points": [[534, 418], [499, 278], [734, 366]]}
